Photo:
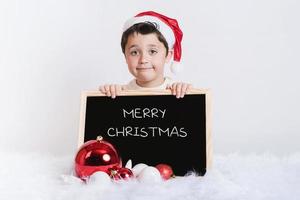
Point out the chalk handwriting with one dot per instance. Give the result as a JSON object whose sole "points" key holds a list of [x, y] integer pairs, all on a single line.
{"points": [[139, 113]]}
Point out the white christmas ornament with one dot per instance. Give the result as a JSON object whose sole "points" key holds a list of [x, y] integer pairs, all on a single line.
{"points": [[138, 168], [100, 178], [149, 175]]}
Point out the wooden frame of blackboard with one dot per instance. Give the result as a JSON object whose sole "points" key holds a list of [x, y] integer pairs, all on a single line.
{"points": [[208, 113]]}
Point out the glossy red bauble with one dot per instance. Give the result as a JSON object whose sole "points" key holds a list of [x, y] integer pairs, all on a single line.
{"points": [[120, 173], [96, 155], [165, 171]]}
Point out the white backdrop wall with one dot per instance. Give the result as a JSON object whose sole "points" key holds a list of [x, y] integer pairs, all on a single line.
{"points": [[247, 52]]}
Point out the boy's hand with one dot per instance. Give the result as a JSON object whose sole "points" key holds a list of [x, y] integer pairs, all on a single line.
{"points": [[112, 90], [179, 89]]}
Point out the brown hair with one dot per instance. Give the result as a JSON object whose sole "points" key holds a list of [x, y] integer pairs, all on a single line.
{"points": [[143, 28]]}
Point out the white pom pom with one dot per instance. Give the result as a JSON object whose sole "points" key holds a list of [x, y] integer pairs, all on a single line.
{"points": [[150, 175], [100, 178], [138, 168], [175, 67]]}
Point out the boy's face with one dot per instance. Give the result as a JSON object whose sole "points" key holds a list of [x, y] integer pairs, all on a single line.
{"points": [[146, 56]]}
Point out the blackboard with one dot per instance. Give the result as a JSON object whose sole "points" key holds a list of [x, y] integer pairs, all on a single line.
{"points": [[152, 127]]}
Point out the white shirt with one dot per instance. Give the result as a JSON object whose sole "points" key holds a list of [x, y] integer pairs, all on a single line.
{"points": [[132, 85]]}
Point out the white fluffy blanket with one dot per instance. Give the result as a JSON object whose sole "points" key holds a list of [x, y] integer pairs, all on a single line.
{"points": [[234, 176]]}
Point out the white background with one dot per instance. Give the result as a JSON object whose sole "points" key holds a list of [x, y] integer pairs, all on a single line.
{"points": [[247, 52]]}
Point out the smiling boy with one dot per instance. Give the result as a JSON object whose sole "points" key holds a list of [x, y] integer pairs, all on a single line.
{"points": [[149, 41]]}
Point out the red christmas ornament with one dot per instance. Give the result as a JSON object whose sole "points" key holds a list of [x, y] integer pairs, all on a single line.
{"points": [[120, 173], [125, 173], [96, 155], [165, 171]]}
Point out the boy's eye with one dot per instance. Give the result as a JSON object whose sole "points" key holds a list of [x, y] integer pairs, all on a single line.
{"points": [[152, 51], [133, 53]]}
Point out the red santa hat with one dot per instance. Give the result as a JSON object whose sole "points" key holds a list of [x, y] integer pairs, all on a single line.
{"points": [[168, 27]]}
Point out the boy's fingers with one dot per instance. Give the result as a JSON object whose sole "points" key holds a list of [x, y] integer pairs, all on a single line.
{"points": [[178, 90], [107, 90], [113, 91], [101, 89], [174, 88], [183, 90]]}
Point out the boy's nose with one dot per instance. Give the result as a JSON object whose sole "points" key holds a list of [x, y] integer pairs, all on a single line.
{"points": [[143, 59]]}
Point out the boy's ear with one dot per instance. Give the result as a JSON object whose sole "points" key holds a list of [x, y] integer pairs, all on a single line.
{"points": [[169, 56]]}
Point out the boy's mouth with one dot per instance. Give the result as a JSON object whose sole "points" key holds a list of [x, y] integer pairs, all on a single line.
{"points": [[144, 68]]}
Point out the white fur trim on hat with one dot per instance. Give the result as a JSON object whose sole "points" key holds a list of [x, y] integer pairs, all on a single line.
{"points": [[163, 28]]}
